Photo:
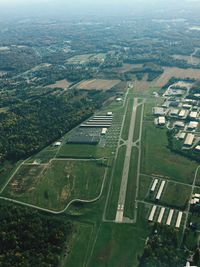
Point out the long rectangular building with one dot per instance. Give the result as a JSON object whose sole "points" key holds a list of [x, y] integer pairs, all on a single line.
{"points": [[179, 218], [160, 190], [162, 211], [155, 182], [169, 219], [153, 211]]}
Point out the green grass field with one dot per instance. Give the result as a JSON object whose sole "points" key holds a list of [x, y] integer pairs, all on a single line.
{"points": [[137, 124], [127, 121], [131, 187], [158, 159], [117, 176], [59, 183], [83, 151], [144, 187], [176, 195]]}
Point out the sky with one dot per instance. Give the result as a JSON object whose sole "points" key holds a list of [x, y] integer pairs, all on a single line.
{"points": [[104, 7]]}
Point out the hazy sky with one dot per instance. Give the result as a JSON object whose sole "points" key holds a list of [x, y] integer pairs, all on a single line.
{"points": [[56, 7]]}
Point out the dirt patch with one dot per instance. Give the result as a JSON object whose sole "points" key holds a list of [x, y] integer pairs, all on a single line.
{"points": [[98, 84], [64, 84]]}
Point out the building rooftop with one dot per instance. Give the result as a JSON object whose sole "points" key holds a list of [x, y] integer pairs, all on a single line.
{"points": [[189, 140]]}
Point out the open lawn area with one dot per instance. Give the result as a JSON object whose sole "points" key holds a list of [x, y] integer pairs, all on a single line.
{"points": [[157, 159], [176, 195], [53, 186]]}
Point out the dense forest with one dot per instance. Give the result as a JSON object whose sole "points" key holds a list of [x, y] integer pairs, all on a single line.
{"points": [[162, 249], [28, 126], [29, 238]]}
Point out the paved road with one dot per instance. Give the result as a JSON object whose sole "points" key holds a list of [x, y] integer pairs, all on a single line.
{"points": [[124, 182]]}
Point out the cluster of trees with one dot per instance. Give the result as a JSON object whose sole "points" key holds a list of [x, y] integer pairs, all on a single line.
{"points": [[152, 70], [28, 238], [28, 126], [162, 250]]}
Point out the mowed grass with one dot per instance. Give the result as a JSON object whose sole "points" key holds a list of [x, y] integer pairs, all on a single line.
{"points": [[136, 135], [144, 187], [158, 159], [127, 121], [60, 182], [131, 187], [79, 247], [80, 151], [176, 195], [116, 183], [117, 245], [121, 244]]}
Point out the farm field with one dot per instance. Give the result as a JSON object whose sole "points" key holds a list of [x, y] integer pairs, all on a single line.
{"points": [[54, 185], [178, 73], [97, 84], [188, 59]]}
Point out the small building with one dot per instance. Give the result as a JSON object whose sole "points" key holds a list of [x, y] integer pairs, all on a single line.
{"points": [[109, 113], [182, 113], [57, 143], [193, 114], [104, 131], [174, 112], [187, 106], [119, 99], [179, 124], [188, 265], [197, 148], [161, 121], [159, 111], [193, 125], [189, 139], [181, 135]]}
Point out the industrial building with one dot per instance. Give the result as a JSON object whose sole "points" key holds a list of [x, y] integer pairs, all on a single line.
{"points": [[189, 139]]}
